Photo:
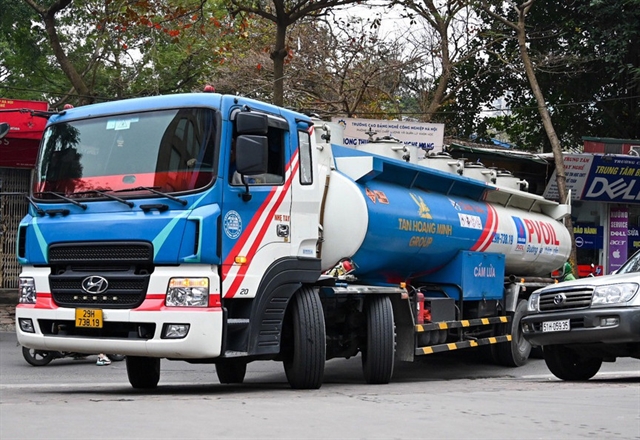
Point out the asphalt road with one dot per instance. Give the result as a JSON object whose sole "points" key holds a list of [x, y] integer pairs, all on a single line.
{"points": [[451, 396]]}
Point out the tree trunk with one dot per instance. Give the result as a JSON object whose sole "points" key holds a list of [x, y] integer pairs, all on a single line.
{"points": [[278, 55], [49, 19], [561, 179]]}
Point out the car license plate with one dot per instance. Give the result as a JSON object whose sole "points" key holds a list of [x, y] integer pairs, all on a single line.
{"points": [[556, 326], [91, 318]]}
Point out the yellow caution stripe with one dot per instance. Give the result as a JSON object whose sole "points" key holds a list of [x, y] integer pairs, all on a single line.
{"points": [[460, 324], [462, 344]]}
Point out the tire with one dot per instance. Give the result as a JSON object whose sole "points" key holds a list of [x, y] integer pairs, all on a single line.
{"points": [[536, 352], [143, 372], [116, 357], [231, 370], [378, 353], [567, 365], [37, 358], [516, 352], [306, 354]]}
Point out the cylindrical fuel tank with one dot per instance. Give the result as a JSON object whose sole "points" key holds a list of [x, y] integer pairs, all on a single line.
{"points": [[393, 233]]}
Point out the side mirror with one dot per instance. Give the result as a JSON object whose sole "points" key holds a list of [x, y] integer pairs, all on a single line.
{"points": [[251, 154], [252, 123], [4, 129]]}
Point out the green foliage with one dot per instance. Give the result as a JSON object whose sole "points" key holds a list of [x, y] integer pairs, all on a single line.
{"points": [[119, 49], [587, 59]]}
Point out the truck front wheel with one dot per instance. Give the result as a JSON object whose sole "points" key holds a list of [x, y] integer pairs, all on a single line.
{"points": [[568, 365], [143, 372], [306, 354], [378, 354]]}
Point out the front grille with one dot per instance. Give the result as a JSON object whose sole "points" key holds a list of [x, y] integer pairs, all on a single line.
{"points": [[138, 252], [115, 285], [125, 266], [566, 298], [124, 291]]}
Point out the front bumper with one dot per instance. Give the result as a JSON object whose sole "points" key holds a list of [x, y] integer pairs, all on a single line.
{"points": [[586, 327], [121, 335]]}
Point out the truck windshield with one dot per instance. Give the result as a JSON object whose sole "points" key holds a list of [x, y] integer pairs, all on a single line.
{"points": [[169, 150]]}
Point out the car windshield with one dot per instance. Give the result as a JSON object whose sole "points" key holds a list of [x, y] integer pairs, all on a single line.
{"points": [[169, 150], [632, 265]]}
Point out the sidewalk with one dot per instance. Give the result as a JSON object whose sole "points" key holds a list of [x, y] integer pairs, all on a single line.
{"points": [[8, 301]]}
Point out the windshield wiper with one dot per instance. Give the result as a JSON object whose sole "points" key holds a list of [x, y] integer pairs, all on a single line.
{"points": [[183, 202], [38, 209], [66, 199], [107, 195]]}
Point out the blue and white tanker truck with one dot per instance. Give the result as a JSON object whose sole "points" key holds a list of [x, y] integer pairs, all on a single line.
{"points": [[217, 229]]}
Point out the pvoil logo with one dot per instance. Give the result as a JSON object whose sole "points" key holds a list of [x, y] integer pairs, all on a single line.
{"points": [[521, 234]]}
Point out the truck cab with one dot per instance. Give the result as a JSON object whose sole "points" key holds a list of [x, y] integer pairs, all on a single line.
{"points": [[139, 238]]}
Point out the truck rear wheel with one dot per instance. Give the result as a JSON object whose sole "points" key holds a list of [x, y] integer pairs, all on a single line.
{"points": [[143, 372], [306, 355], [231, 370], [568, 365], [514, 353], [378, 354]]}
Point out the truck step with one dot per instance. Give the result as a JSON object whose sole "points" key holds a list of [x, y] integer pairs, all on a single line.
{"points": [[235, 354], [462, 344], [237, 323], [461, 324]]}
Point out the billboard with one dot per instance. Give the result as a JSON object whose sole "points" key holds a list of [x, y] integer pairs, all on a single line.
{"points": [[605, 178], [423, 135]]}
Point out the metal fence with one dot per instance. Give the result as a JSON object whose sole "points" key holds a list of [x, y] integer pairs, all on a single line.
{"points": [[12, 209]]}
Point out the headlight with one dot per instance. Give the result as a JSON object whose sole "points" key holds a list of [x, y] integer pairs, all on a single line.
{"points": [[188, 292], [27, 287], [534, 303], [614, 293]]}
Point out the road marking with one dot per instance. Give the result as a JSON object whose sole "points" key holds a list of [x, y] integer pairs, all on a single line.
{"points": [[77, 385]]}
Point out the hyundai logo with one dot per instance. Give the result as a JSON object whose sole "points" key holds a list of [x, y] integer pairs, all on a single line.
{"points": [[559, 298], [95, 284]]}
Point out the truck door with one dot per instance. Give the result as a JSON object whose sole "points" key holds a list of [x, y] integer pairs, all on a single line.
{"points": [[256, 214]]}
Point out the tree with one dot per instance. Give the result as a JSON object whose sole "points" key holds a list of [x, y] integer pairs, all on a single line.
{"points": [[587, 59], [352, 69], [446, 41], [284, 14], [517, 26], [96, 50]]}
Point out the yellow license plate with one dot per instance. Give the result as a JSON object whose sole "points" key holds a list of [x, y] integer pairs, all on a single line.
{"points": [[91, 318]]}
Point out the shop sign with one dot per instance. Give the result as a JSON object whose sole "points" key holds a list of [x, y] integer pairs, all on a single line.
{"points": [[588, 236], [608, 178], [634, 240], [618, 238]]}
